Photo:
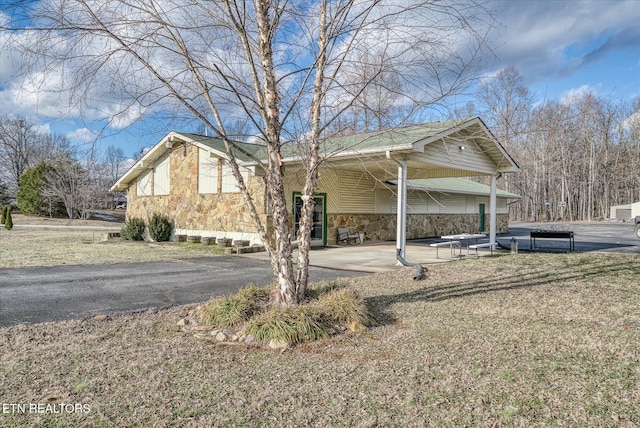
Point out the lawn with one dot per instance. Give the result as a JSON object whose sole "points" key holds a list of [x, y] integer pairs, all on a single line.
{"points": [[49, 245], [527, 340]]}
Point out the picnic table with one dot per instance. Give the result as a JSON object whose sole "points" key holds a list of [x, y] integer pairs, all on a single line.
{"points": [[463, 237]]}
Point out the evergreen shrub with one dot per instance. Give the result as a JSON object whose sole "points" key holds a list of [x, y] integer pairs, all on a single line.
{"points": [[8, 221], [160, 228], [133, 229]]}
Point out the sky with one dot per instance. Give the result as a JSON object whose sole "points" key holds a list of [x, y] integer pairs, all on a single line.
{"points": [[559, 47]]}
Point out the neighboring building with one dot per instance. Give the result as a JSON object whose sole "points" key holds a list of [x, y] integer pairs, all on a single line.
{"points": [[625, 212], [186, 177]]}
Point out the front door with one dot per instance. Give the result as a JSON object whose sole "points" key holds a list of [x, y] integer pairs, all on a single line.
{"points": [[482, 218], [319, 228]]}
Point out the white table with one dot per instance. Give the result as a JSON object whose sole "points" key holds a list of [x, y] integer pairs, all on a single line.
{"points": [[465, 237]]}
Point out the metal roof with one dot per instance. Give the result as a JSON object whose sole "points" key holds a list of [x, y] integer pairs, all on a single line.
{"points": [[408, 139]]}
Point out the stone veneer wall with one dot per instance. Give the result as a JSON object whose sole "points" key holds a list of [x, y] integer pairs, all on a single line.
{"points": [[382, 227], [192, 212]]}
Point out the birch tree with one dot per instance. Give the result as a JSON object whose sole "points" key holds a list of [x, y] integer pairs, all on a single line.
{"points": [[284, 67]]}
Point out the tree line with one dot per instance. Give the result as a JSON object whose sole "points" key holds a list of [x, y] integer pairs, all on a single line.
{"points": [[43, 174], [578, 156]]}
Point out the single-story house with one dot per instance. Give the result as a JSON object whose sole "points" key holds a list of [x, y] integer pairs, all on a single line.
{"points": [[368, 182], [625, 212]]}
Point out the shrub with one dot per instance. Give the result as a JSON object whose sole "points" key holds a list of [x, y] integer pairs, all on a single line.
{"points": [[133, 229], [160, 228], [4, 214], [8, 221]]}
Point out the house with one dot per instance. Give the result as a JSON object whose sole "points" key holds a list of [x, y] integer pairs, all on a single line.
{"points": [[369, 183]]}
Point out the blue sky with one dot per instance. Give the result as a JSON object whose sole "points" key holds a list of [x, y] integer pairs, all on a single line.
{"points": [[559, 47]]}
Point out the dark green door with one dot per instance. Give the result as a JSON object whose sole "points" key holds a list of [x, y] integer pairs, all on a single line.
{"points": [[481, 210]]}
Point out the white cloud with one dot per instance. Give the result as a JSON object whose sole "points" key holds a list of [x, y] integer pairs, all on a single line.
{"points": [[84, 135], [548, 39]]}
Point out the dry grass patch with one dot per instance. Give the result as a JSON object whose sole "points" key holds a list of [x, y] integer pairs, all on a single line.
{"points": [[533, 340], [23, 246]]}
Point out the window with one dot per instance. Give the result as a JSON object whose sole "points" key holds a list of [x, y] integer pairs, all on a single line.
{"points": [[144, 184], [161, 178], [207, 172]]}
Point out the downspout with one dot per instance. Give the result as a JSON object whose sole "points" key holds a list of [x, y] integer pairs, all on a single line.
{"points": [[401, 222]]}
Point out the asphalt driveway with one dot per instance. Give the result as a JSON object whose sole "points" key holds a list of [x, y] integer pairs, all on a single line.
{"points": [[40, 294]]}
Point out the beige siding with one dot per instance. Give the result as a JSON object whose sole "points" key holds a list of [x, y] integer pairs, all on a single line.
{"points": [[347, 191], [161, 181], [229, 182], [450, 155], [207, 172], [144, 184]]}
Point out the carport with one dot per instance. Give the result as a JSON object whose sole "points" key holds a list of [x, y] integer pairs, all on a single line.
{"points": [[460, 148]]}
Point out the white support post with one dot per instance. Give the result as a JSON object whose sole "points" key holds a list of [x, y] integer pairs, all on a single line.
{"points": [[493, 209], [401, 229]]}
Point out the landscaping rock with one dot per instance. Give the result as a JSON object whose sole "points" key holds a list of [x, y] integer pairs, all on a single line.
{"points": [[278, 344], [221, 337]]}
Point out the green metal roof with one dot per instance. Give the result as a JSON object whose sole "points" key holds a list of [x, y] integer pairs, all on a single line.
{"points": [[402, 137], [216, 143]]}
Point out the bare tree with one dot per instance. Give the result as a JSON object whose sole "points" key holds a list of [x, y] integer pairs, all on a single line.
{"points": [[23, 145], [114, 160], [284, 67]]}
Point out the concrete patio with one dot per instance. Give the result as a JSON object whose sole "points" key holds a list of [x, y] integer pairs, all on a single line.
{"points": [[380, 256]]}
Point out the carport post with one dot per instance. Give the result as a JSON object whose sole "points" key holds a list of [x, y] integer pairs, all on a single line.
{"points": [[493, 209], [401, 230]]}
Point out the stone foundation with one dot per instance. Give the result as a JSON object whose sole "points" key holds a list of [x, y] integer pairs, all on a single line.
{"points": [[382, 227]]}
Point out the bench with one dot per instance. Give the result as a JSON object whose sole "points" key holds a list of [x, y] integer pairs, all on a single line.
{"points": [[451, 245], [490, 245], [552, 234], [345, 236]]}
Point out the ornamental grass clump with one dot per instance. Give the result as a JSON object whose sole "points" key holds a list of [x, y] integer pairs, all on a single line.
{"points": [[133, 229], [233, 311], [160, 228], [294, 324], [330, 308], [343, 307]]}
